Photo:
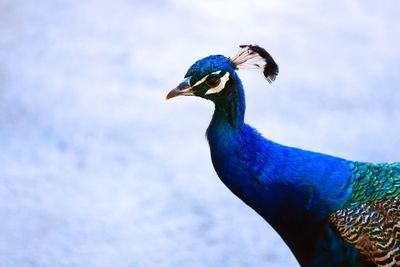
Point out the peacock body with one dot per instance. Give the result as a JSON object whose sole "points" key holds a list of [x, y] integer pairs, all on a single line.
{"points": [[329, 211]]}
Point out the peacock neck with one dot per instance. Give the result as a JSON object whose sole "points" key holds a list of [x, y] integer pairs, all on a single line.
{"points": [[231, 109], [293, 189]]}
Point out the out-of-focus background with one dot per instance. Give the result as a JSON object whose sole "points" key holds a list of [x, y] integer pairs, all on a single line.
{"points": [[97, 169]]}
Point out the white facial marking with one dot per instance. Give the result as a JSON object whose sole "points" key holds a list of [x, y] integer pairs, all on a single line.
{"points": [[220, 86], [205, 77]]}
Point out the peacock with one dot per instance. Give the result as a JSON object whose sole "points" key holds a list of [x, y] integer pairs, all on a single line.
{"points": [[328, 210]]}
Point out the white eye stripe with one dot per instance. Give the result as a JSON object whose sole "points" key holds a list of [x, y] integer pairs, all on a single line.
{"points": [[204, 78], [216, 72], [220, 86]]}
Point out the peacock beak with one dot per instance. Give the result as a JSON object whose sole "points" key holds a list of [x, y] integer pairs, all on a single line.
{"points": [[184, 88]]}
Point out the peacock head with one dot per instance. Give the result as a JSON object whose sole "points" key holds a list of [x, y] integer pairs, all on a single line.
{"points": [[214, 77]]}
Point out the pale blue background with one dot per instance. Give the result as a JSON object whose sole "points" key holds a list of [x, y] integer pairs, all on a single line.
{"points": [[97, 169]]}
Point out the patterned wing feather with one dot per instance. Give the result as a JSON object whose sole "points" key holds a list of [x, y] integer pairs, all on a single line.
{"points": [[370, 220]]}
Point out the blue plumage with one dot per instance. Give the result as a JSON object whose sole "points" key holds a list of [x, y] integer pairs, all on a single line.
{"points": [[294, 190]]}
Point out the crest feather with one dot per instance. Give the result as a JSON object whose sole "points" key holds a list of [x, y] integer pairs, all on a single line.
{"points": [[256, 57]]}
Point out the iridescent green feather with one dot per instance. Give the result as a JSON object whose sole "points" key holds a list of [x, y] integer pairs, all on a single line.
{"points": [[373, 181]]}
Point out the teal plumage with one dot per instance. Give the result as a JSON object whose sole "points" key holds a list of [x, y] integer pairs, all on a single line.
{"points": [[329, 211], [371, 182]]}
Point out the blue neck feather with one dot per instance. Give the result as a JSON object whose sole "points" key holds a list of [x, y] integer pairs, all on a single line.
{"points": [[293, 189]]}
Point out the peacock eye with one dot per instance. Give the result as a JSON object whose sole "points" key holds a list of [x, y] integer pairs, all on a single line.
{"points": [[213, 81]]}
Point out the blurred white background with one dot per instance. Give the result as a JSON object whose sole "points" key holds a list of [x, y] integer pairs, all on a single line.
{"points": [[97, 169]]}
